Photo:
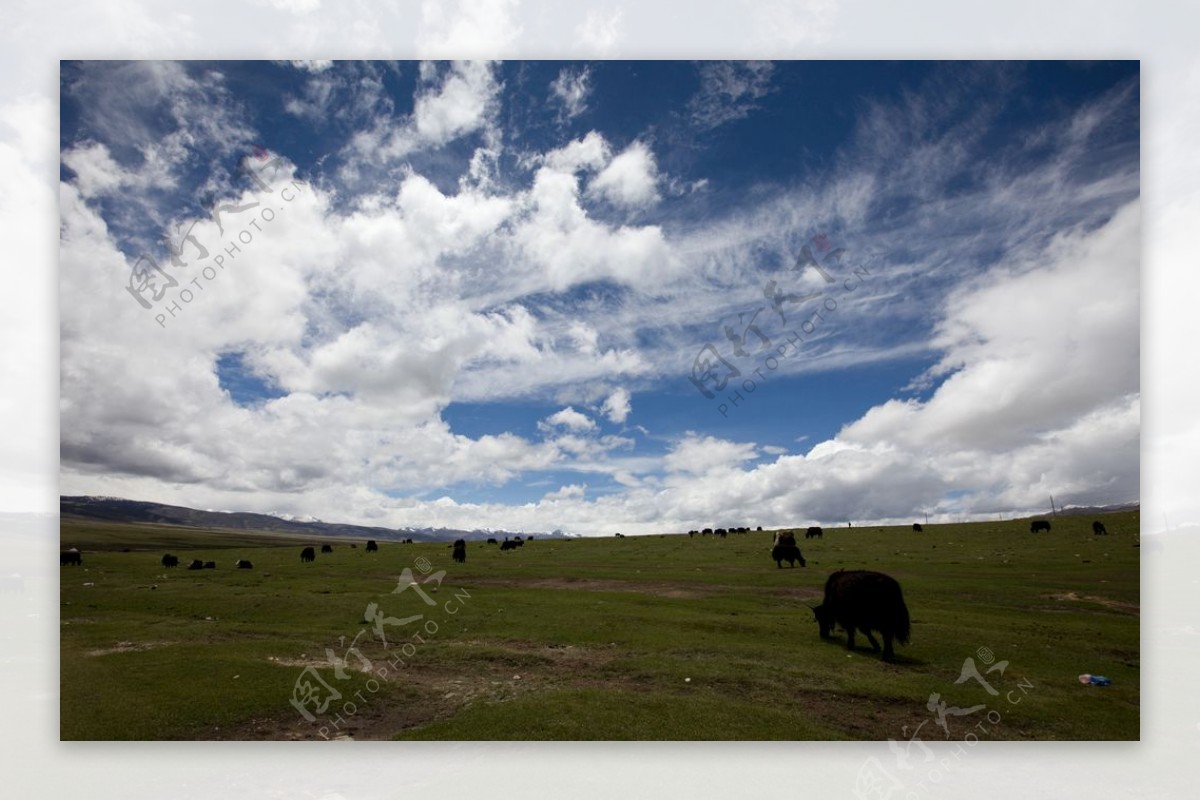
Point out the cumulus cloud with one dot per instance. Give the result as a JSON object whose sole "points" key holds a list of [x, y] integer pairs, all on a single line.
{"points": [[1018, 341], [630, 180], [449, 104], [706, 454], [616, 406], [569, 419]]}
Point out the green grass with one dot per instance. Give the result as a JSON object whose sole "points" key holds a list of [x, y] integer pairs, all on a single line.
{"points": [[637, 638]]}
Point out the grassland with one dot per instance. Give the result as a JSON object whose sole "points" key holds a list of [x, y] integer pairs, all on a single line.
{"points": [[665, 637]]}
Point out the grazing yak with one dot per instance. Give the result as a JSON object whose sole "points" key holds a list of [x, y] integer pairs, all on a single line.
{"points": [[71, 556], [814, 531], [786, 550], [170, 560], [866, 601], [460, 551], [491, 541], [371, 546], [1039, 525], [326, 549], [308, 554], [1098, 528], [917, 527], [196, 565], [243, 564], [509, 545]]}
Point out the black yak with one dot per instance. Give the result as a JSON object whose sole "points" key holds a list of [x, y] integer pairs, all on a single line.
{"points": [[371, 546], [196, 565], [491, 541], [308, 554], [210, 565], [243, 564], [170, 560], [460, 551], [326, 549], [1098, 528], [814, 531], [786, 550], [509, 545], [1039, 525], [70, 556], [788, 553], [866, 601], [917, 527]]}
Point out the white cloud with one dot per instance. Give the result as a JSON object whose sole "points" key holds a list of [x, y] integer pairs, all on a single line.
{"points": [[700, 454], [729, 91], [616, 406], [569, 492], [95, 171], [1018, 341], [463, 102], [591, 152], [569, 419], [558, 235], [630, 180], [571, 89]]}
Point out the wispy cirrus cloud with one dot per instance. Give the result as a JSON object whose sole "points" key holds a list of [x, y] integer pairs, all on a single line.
{"points": [[571, 90], [729, 90]]}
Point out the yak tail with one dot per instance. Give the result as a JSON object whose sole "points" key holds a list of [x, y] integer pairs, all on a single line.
{"points": [[903, 625]]}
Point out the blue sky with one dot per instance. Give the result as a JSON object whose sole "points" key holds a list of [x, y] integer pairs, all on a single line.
{"points": [[476, 294]]}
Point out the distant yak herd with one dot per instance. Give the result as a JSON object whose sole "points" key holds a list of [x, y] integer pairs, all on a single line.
{"points": [[720, 532], [854, 600]]}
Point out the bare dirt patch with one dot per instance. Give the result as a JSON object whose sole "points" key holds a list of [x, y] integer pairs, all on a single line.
{"points": [[1120, 606], [127, 647], [659, 589]]}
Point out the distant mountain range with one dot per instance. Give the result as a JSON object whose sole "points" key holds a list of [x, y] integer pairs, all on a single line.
{"points": [[119, 510], [1099, 510]]}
